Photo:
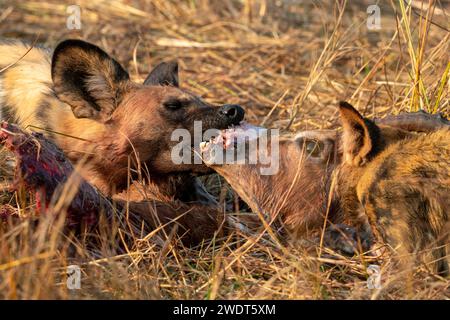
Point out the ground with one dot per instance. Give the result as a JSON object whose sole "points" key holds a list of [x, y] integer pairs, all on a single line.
{"points": [[287, 62]]}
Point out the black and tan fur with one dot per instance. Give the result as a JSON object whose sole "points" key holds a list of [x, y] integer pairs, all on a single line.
{"points": [[85, 101], [397, 178], [401, 182]]}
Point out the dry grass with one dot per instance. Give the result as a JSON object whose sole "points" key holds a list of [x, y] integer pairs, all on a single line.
{"points": [[287, 64]]}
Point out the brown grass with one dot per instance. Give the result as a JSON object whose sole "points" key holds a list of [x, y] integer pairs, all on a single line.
{"points": [[287, 64]]}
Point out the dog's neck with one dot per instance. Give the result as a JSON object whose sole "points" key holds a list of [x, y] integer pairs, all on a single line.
{"points": [[182, 187]]}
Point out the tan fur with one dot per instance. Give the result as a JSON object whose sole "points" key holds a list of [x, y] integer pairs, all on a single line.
{"points": [[365, 188], [402, 190], [25, 85], [297, 193], [26, 81], [85, 102]]}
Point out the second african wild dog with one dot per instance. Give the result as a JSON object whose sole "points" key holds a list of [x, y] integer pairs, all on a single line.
{"points": [[401, 185], [299, 192], [86, 102]]}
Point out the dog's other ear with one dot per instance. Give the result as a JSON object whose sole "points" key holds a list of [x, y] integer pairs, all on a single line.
{"points": [[88, 79], [164, 74], [359, 135]]}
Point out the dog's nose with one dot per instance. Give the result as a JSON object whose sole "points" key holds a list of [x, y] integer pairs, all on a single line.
{"points": [[233, 112]]}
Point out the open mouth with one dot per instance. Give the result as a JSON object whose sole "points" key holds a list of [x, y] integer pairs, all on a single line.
{"points": [[228, 140]]}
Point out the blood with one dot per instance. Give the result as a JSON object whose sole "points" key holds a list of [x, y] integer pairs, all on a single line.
{"points": [[42, 169]]}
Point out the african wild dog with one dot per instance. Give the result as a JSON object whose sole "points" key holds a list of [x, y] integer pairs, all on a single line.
{"points": [[85, 102], [401, 185], [302, 193], [296, 194]]}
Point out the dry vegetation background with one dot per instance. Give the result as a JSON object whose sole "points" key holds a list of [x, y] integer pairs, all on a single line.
{"points": [[287, 62]]}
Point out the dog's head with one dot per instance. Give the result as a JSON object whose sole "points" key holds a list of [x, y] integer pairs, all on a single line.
{"points": [[132, 118], [295, 188]]}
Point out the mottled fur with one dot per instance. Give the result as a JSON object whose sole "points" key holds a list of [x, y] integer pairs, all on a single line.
{"points": [[379, 179], [401, 184], [85, 101]]}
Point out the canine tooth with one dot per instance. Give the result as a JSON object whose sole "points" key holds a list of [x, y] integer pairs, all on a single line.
{"points": [[203, 144]]}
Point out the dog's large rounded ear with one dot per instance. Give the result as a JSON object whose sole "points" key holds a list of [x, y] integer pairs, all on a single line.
{"points": [[360, 135], [164, 74], [88, 79]]}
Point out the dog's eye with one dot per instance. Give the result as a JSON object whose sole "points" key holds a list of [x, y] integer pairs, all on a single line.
{"points": [[173, 104], [314, 148]]}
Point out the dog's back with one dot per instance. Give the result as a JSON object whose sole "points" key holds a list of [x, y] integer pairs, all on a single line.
{"points": [[406, 195], [402, 184], [24, 83]]}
